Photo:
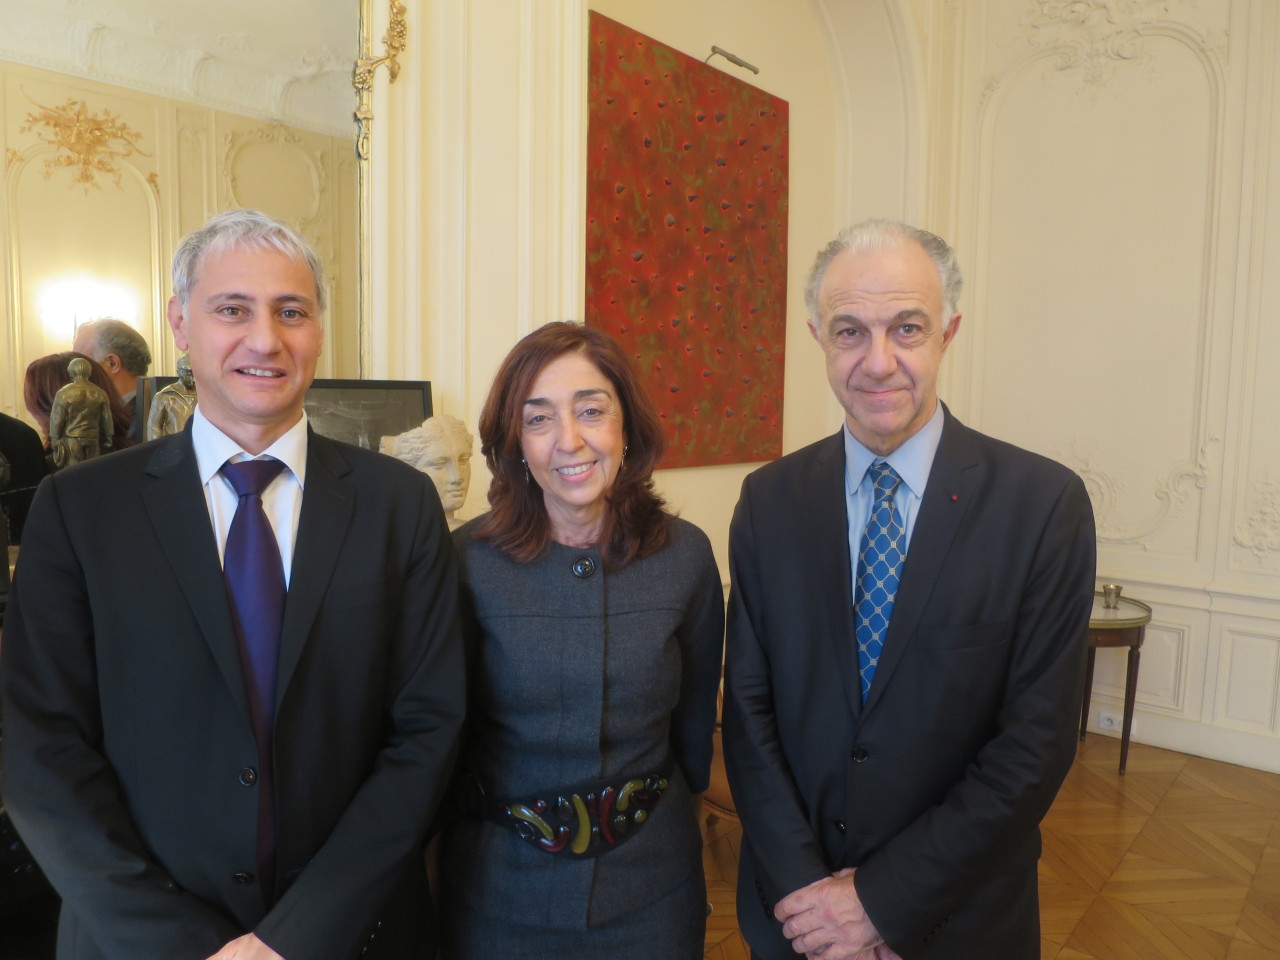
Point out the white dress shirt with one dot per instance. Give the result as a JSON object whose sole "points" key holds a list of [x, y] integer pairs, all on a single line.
{"points": [[281, 501]]}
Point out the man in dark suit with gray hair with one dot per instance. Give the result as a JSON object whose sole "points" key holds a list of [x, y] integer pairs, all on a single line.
{"points": [[232, 668], [901, 688], [120, 349]]}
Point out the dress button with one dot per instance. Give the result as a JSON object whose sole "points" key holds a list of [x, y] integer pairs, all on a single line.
{"points": [[242, 878], [248, 776], [583, 567], [859, 754], [840, 825]]}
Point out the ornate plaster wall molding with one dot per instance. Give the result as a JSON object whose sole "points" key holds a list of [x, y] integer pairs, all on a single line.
{"points": [[1170, 492], [280, 137], [1259, 533], [255, 72], [1097, 36], [192, 136]]}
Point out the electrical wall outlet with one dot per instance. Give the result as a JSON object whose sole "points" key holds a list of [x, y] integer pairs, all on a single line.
{"points": [[1109, 722]]}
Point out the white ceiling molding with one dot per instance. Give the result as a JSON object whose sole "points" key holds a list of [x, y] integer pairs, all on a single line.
{"points": [[286, 60]]}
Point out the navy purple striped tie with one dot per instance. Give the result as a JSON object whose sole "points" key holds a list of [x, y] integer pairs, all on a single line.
{"points": [[254, 576]]}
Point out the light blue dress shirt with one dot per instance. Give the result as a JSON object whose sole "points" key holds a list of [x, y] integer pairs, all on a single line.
{"points": [[912, 462]]}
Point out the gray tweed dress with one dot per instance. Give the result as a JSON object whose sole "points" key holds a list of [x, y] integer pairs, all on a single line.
{"points": [[575, 678]]}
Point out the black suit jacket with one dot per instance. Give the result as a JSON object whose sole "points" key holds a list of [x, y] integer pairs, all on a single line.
{"points": [[129, 750], [934, 788], [21, 446]]}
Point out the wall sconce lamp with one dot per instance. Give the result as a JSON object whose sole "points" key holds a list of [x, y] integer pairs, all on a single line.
{"points": [[64, 303]]}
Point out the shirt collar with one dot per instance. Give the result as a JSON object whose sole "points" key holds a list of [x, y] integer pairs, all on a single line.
{"points": [[214, 448], [912, 461]]}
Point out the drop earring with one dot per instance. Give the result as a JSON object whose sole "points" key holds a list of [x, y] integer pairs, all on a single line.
{"points": [[526, 469]]}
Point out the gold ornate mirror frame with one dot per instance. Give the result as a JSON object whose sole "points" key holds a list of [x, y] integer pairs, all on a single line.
{"points": [[393, 43]]}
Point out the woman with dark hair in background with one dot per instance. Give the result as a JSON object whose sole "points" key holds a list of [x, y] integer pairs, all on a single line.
{"points": [[594, 622], [47, 375]]}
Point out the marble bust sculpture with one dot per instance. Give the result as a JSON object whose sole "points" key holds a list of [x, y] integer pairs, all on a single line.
{"points": [[440, 448]]}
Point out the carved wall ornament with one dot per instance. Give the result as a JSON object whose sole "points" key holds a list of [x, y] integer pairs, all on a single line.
{"points": [[1171, 493], [91, 143], [192, 135], [393, 44], [11, 156], [1260, 532], [277, 135], [1096, 36]]}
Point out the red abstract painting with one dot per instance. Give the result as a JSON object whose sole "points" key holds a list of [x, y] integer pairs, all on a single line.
{"points": [[687, 241]]}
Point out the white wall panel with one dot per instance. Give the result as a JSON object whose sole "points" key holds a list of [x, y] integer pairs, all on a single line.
{"points": [[1112, 187], [1255, 518], [1249, 680], [1164, 662], [1090, 283]]}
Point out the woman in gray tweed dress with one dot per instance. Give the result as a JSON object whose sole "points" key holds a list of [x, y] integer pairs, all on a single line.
{"points": [[594, 622]]}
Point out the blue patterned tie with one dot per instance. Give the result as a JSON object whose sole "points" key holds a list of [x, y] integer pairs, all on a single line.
{"points": [[880, 558], [254, 575]]}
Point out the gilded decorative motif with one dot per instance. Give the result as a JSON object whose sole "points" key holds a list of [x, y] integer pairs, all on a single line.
{"points": [[393, 43], [90, 143], [11, 156], [1096, 35]]}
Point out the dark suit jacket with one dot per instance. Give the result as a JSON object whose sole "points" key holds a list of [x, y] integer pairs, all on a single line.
{"points": [[934, 788], [21, 446], [129, 751]]}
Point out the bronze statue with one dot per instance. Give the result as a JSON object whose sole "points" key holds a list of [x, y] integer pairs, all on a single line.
{"points": [[440, 448], [80, 421], [172, 405]]}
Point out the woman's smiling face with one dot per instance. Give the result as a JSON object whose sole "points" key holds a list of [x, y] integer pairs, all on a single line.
{"points": [[571, 436]]}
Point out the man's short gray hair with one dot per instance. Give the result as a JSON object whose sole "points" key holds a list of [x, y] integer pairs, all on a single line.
{"points": [[110, 335], [241, 228], [886, 235]]}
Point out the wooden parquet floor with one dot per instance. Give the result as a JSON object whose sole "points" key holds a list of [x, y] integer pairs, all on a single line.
{"points": [[1179, 859]]}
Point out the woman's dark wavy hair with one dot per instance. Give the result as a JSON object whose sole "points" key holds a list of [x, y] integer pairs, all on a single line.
{"points": [[47, 375], [635, 525]]}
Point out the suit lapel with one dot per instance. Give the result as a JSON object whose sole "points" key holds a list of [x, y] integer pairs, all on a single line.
{"points": [[174, 501], [327, 505], [946, 499], [828, 526]]}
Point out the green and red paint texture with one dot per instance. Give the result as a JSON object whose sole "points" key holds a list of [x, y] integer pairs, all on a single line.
{"points": [[687, 241]]}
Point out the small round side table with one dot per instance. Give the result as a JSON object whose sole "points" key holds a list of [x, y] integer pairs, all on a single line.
{"points": [[1123, 626]]}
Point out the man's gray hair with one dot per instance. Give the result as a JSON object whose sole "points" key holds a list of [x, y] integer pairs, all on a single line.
{"points": [[115, 336], [241, 228], [885, 235]]}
